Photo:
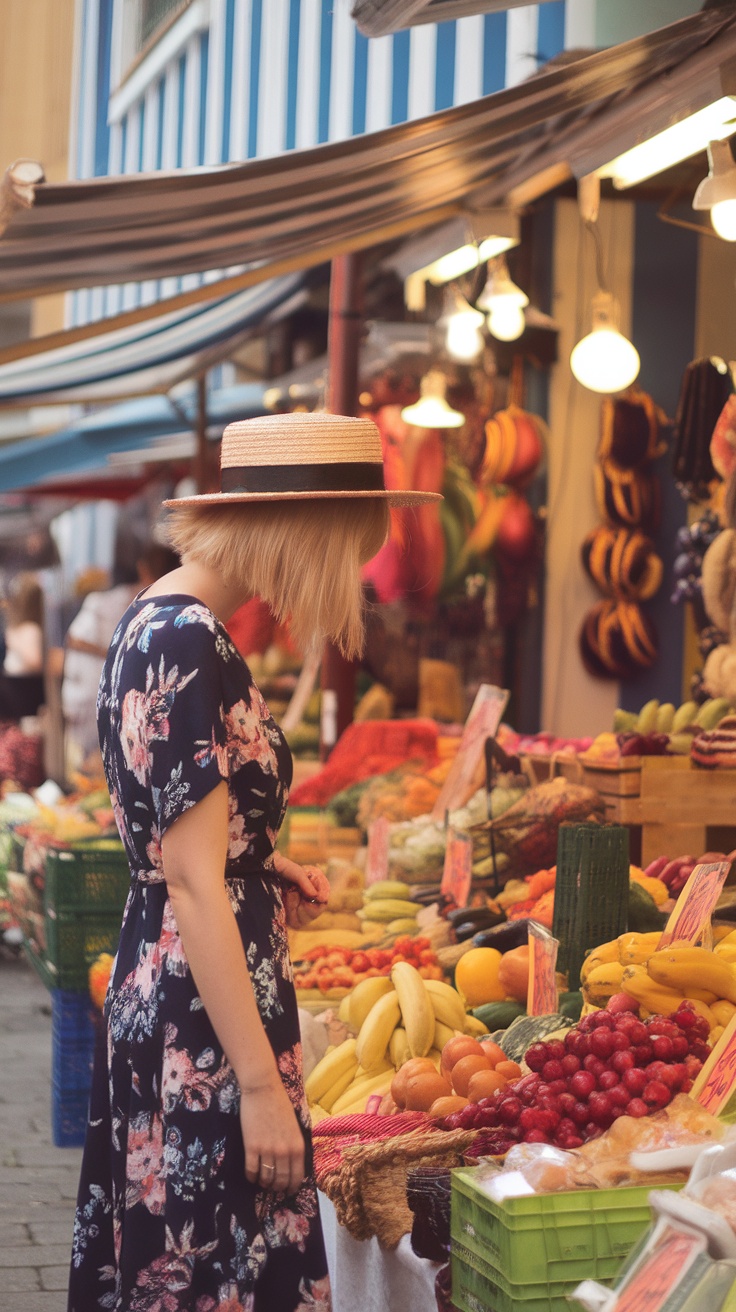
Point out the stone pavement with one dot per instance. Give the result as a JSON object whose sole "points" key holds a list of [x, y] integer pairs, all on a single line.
{"points": [[38, 1182]]}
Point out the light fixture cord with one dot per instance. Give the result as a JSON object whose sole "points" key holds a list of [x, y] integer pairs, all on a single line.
{"points": [[600, 274]]}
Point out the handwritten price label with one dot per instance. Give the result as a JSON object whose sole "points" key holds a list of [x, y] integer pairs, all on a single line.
{"points": [[458, 871], [717, 1080], [482, 723], [376, 866], [542, 997], [696, 904], [659, 1274]]}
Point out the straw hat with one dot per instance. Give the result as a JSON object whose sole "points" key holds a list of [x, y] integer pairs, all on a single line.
{"points": [[297, 457]]}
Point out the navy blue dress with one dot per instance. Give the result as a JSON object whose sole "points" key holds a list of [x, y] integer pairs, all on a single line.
{"points": [[166, 1220]]}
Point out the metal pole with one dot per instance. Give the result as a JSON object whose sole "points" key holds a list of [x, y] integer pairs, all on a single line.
{"points": [[201, 462], [345, 329]]}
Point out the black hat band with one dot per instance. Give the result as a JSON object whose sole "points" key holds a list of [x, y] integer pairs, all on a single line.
{"points": [[336, 476]]}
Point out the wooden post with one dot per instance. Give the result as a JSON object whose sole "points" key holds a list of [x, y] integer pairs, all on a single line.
{"points": [[345, 329], [201, 459]]}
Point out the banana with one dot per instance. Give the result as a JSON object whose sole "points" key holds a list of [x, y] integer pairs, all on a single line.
{"points": [[624, 721], [355, 1098], [602, 982], [435, 1055], [684, 715], [712, 712], [317, 1113], [416, 1009], [696, 968], [343, 1011], [398, 1047], [726, 952], [380, 1069], [330, 1069], [723, 1011], [329, 1098], [384, 888], [404, 925], [389, 908], [446, 1003], [647, 721], [715, 1034], [364, 997], [475, 1027], [376, 1030], [442, 1035], [665, 717], [656, 998], [636, 949], [600, 956], [680, 743], [702, 995]]}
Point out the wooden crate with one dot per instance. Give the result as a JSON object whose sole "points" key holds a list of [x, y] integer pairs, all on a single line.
{"points": [[685, 809], [619, 786]]}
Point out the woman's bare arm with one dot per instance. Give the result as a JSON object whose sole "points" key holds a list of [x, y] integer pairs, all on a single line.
{"points": [[194, 855]]}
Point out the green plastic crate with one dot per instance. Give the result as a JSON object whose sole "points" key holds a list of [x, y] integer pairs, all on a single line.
{"points": [[476, 1287], [74, 942], [574, 1236], [86, 880]]}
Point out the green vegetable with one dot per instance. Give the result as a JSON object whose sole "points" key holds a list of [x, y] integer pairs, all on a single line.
{"points": [[499, 1015], [644, 915], [571, 1004], [526, 1030]]}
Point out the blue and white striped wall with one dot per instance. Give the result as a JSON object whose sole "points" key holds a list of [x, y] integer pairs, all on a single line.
{"points": [[238, 79]]}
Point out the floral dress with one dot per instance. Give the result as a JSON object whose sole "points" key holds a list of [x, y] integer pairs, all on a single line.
{"points": [[166, 1220]]}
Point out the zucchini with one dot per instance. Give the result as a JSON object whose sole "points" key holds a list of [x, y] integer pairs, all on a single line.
{"points": [[482, 917], [513, 934], [499, 1015], [526, 1030], [571, 1004]]}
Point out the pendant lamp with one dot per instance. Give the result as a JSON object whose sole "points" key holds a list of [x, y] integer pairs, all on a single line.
{"points": [[461, 325], [504, 302], [605, 361], [432, 410], [717, 192]]}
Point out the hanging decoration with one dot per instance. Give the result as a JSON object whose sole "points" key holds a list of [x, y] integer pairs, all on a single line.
{"points": [[706, 387], [618, 638]]}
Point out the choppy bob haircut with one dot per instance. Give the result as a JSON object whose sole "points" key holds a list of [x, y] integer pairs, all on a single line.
{"points": [[302, 557]]}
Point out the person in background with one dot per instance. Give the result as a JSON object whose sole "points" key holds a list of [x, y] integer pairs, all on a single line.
{"points": [[86, 644], [21, 680]]}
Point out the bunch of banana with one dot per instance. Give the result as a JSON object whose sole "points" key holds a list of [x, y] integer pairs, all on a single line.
{"points": [[681, 722], [393, 1019], [387, 907]]}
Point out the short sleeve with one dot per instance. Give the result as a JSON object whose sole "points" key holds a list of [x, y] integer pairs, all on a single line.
{"points": [[186, 718]]}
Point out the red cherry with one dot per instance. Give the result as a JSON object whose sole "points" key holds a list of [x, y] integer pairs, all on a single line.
{"points": [[607, 1080], [686, 1086], [578, 1043], [680, 1047], [600, 1109], [509, 1111], [663, 1047], [657, 1094], [660, 1025], [594, 1064], [566, 1126], [555, 1050], [536, 1056], [579, 1113], [622, 1061], [536, 1136], [637, 1108], [620, 1041], [619, 1096], [566, 1102], [570, 1142], [601, 1043], [592, 1131], [603, 1020], [570, 1063], [582, 1084], [635, 1080], [638, 1033], [642, 1053], [552, 1070]]}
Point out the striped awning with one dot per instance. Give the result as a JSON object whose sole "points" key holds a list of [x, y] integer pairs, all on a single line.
{"points": [[148, 357], [299, 209], [379, 17]]}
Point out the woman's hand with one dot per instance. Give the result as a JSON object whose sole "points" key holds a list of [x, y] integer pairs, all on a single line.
{"points": [[307, 895], [274, 1144]]}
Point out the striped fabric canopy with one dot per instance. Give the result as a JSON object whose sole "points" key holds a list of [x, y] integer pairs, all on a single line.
{"points": [[300, 209], [379, 17], [149, 357]]}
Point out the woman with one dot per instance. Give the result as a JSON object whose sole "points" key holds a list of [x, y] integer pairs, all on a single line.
{"points": [[196, 1191], [21, 680]]}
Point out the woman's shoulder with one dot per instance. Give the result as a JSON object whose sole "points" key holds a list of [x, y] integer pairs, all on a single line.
{"points": [[175, 624]]}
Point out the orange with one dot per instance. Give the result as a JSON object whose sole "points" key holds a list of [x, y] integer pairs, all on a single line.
{"points": [[476, 976], [508, 1069], [402, 1076], [425, 1088], [484, 1084], [446, 1106], [461, 1046], [492, 1053], [464, 1071]]}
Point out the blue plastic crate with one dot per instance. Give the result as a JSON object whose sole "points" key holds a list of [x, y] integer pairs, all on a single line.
{"points": [[72, 1041], [69, 1111]]}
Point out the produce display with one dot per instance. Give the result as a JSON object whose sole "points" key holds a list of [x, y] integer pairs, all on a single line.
{"points": [[658, 729]]}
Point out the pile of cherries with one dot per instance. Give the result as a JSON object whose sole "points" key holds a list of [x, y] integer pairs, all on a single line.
{"points": [[611, 1064]]}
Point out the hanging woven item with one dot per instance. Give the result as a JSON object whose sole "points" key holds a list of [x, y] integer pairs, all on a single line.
{"points": [[630, 430], [629, 498], [617, 640], [706, 387], [514, 447], [622, 563]]}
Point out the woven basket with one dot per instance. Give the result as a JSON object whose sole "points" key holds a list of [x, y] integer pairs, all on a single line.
{"points": [[368, 1190]]}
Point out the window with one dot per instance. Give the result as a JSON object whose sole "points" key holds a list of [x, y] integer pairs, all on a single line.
{"points": [[152, 13]]}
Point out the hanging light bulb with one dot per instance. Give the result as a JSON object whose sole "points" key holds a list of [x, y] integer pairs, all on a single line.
{"points": [[432, 410], [462, 325], [717, 192], [605, 360], [504, 301]]}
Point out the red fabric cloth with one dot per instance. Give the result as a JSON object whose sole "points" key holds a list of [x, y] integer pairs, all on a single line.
{"points": [[365, 749], [331, 1136], [252, 627]]}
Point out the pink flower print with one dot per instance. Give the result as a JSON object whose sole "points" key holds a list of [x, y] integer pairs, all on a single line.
{"points": [[228, 1300], [145, 1165], [145, 717], [172, 950], [314, 1295], [238, 841], [285, 1227], [133, 735], [290, 1070], [246, 740], [147, 971], [188, 1083]]}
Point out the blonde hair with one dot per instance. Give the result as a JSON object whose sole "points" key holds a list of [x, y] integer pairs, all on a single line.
{"points": [[25, 601], [303, 558]]}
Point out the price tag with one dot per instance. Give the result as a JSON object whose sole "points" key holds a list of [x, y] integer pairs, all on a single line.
{"points": [[376, 866], [696, 904], [661, 1272], [458, 872], [482, 723], [542, 997], [717, 1081]]}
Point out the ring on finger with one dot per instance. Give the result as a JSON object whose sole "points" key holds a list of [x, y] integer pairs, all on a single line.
{"points": [[268, 1166]]}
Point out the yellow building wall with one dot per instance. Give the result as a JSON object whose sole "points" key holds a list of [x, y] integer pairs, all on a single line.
{"points": [[36, 55]]}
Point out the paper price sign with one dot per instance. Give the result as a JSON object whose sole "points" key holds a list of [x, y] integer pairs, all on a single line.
{"points": [[376, 866], [542, 997], [696, 904], [659, 1274], [458, 871], [717, 1080], [482, 723]]}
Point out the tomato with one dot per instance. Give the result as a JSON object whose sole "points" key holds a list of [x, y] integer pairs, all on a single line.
{"points": [[427, 957], [344, 977], [404, 943], [338, 957], [315, 954], [307, 981], [360, 962]]}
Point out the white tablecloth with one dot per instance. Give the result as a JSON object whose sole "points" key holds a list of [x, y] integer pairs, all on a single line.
{"points": [[367, 1278]]}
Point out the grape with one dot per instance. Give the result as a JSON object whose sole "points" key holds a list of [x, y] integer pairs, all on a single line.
{"points": [[536, 1056], [607, 1080], [637, 1108], [570, 1063], [555, 1050], [582, 1084], [600, 1108], [619, 1096], [680, 1047], [509, 1111], [579, 1113], [662, 1047], [642, 1053], [635, 1080], [620, 1041], [536, 1136], [552, 1070], [622, 1061], [601, 1043], [656, 1093], [602, 1020], [594, 1065]]}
